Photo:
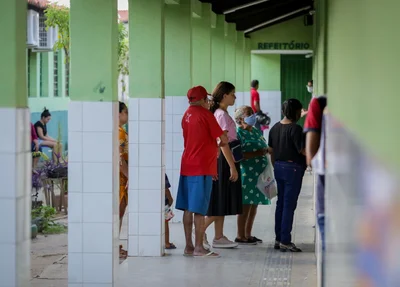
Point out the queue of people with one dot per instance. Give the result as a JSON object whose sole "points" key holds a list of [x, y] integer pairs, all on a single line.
{"points": [[222, 160]]}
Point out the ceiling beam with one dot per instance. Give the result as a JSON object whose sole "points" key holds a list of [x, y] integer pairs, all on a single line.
{"points": [[282, 18], [238, 8]]}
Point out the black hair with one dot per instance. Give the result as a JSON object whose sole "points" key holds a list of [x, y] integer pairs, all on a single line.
{"points": [[122, 107], [45, 113], [223, 88], [291, 109], [310, 81], [254, 83]]}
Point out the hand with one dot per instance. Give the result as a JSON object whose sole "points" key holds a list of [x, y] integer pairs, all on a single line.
{"points": [[215, 177], [234, 174], [127, 185], [304, 112]]}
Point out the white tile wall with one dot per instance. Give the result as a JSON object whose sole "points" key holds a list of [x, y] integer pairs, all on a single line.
{"points": [[93, 234], [15, 176], [270, 102], [146, 175]]}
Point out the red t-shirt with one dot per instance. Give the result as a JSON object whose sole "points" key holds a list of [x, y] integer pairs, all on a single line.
{"points": [[200, 131], [314, 117], [255, 97]]}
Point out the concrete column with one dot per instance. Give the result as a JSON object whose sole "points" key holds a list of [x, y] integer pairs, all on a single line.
{"points": [[15, 156], [239, 83], [146, 128], [230, 57], [247, 71], [93, 187], [218, 51], [178, 80], [201, 47], [230, 52]]}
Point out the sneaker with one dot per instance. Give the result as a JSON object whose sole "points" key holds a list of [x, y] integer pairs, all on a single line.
{"points": [[224, 242], [258, 240], [277, 245], [249, 241], [289, 247]]}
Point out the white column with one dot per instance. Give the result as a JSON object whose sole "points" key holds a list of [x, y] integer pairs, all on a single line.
{"points": [[93, 188], [15, 198]]}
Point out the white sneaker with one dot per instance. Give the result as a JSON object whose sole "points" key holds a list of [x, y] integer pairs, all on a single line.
{"points": [[224, 242]]}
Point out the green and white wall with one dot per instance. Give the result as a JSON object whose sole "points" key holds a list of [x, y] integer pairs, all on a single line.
{"points": [[267, 46], [356, 65]]}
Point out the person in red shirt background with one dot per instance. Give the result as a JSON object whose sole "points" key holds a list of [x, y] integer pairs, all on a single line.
{"points": [[198, 168], [255, 96]]}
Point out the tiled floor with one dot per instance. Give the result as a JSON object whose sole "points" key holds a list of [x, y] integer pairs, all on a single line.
{"points": [[254, 266]]}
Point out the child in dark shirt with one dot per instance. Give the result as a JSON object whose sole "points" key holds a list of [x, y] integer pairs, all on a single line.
{"points": [[168, 213]]}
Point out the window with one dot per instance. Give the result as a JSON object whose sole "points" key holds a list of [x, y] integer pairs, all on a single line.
{"points": [[67, 79], [55, 74]]}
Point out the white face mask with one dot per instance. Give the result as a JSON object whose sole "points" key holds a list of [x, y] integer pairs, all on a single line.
{"points": [[309, 89]]}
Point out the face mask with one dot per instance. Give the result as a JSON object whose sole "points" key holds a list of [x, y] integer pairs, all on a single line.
{"points": [[309, 89], [251, 120]]}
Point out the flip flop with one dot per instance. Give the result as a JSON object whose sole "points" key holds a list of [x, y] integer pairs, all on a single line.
{"points": [[171, 246], [210, 254]]}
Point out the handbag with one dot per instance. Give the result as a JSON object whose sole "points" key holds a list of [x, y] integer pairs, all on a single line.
{"points": [[266, 183], [236, 148]]}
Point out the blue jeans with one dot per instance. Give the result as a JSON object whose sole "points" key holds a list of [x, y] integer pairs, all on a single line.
{"points": [[289, 178]]}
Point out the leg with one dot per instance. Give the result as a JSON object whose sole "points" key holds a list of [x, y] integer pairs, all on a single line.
{"points": [[123, 203], [279, 204], [250, 220], [242, 220], [188, 225], [292, 192], [167, 244], [219, 227]]}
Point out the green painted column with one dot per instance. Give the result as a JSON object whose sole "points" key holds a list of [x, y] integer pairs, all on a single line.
{"points": [[93, 146], [201, 48], [94, 74], [178, 77], [230, 52], [247, 65], [13, 55], [218, 51], [146, 45], [16, 158], [147, 125], [240, 46]]}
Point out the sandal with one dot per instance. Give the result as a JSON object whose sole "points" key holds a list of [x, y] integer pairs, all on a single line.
{"points": [[210, 254], [171, 246]]}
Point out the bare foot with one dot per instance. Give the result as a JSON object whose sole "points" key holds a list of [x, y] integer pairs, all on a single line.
{"points": [[189, 250], [201, 251]]}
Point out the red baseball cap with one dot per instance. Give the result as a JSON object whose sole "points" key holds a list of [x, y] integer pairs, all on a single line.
{"points": [[197, 93]]}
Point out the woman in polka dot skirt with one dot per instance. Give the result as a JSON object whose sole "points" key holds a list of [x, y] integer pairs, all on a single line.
{"points": [[255, 161]]}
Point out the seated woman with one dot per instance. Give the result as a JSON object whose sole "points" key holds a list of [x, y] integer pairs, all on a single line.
{"points": [[44, 139], [35, 147], [255, 161]]}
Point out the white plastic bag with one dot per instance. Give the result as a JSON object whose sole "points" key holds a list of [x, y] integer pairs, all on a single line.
{"points": [[266, 183]]}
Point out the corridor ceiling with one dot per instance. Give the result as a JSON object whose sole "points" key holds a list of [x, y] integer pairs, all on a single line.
{"points": [[253, 15]]}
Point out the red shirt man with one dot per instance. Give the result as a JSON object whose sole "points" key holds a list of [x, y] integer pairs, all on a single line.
{"points": [[255, 96], [198, 166]]}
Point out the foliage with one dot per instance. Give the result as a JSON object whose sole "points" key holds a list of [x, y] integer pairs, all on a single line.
{"points": [[43, 217], [58, 16]]}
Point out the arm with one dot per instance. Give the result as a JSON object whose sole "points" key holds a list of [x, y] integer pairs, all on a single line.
{"points": [[312, 145], [42, 137], [271, 152], [169, 196], [124, 167], [257, 106]]}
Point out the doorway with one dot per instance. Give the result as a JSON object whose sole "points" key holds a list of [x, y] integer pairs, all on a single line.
{"points": [[296, 71]]}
